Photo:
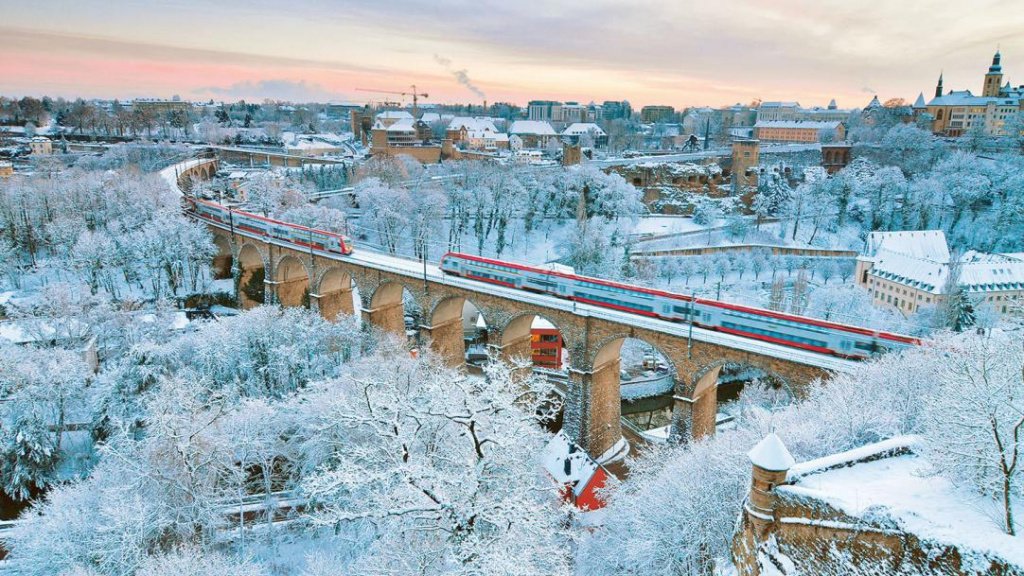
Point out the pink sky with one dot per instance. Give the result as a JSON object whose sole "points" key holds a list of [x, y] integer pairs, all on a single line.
{"points": [[649, 52]]}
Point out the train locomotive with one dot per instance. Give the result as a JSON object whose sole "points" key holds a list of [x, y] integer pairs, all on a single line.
{"points": [[810, 334], [268, 227]]}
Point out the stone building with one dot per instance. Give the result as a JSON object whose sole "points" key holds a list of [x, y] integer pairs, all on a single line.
{"points": [[6, 169], [835, 156], [878, 509], [799, 130], [671, 187], [405, 137], [958, 111], [910, 269], [746, 155], [651, 114], [41, 145]]}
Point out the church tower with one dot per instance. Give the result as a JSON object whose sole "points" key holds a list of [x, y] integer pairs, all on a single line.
{"points": [[994, 78], [938, 87]]}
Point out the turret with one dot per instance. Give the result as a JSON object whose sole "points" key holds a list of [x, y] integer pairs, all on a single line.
{"points": [[770, 462]]}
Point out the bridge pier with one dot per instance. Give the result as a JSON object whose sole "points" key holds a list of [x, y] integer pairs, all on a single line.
{"points": [[291, 293], [333, 304], [244, 278], [446, 340], [595, 400], [388, 317], [270, 291], [512, 351], [695, 417]]}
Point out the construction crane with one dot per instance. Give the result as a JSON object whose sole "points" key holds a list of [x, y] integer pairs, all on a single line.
{"points": [[415, 95]]}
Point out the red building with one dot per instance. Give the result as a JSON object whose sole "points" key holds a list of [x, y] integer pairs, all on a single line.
{"points": [[578, 475], [546, 348]]}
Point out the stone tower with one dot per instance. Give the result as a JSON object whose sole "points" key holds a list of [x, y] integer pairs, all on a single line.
{"points": [[994, 77], [770, 461], [746, 155]]}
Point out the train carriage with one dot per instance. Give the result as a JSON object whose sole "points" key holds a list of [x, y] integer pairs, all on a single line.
{"points": [[254, 224], [785, 329]]}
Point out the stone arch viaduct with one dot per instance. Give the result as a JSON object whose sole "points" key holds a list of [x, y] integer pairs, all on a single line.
{"points": [[295, 276]]}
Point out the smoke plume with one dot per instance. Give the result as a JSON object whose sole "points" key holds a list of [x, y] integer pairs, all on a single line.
{"points": [[461, 76]]}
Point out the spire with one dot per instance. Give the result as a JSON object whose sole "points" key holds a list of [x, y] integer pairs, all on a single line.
{"points": [[938, 87], [996, 67], [919, 103]]}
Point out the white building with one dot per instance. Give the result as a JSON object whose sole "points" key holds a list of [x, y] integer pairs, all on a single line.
{"points": [[911, 269]]}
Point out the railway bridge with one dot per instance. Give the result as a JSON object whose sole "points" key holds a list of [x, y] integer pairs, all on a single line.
{"points": [[323, 281]]}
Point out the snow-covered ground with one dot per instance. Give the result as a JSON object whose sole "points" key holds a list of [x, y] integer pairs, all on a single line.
{"points": [[907, 490]]}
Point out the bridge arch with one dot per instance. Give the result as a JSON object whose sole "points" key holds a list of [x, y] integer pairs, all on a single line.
{"points": [[333, 293], [447, 329], [252, 268], [704, 398], [291, 282], [387, 305], [600, 392], [516, 339]]}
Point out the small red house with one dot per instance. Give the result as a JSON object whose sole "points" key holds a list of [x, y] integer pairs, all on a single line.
{"points": [[579, 476]]}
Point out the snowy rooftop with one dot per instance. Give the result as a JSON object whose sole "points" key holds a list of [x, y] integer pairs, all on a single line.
{"points": [[880, 485], [965, 98], [567, 463], [920, 273], [532, 127], [925, 244], [487, 135], [394, 115], [579, 128], [472, 124], [402, 125], [780, 104], [771, 454], [920, 259]]}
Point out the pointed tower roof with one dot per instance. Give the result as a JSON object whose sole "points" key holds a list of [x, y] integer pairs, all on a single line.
{"points": [[919, 103], [874, 102], [832, 104], [996, 67], [771, 454]]}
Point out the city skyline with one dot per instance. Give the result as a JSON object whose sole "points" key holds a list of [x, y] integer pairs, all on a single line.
{"points": [[650, 53]]}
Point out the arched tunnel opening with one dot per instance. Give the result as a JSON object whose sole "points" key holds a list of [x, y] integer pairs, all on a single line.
{"points": [[743, 385], [646, 383]]}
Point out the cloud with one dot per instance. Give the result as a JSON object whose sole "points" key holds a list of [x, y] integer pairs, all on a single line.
{"points": [[868, 90], [287, 90]]}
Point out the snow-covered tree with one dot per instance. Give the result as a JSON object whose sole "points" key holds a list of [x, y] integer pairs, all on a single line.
{"points": [[387, 210], [441, 466], [974, 419]]}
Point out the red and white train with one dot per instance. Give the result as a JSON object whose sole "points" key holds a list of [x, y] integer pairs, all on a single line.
{"points": [[786, 329], [268, 227], [811, 334]]}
